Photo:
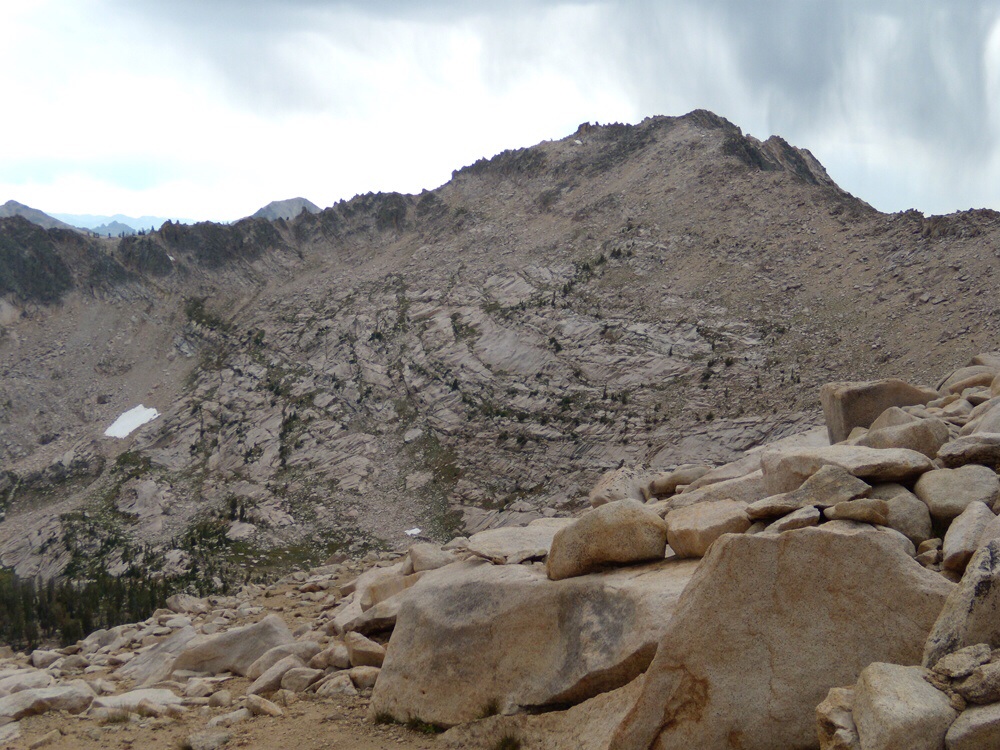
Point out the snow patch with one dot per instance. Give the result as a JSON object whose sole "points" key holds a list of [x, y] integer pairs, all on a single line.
{"points": [[130, 421]]}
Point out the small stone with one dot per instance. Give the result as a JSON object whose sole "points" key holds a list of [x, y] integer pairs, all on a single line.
{"points": [[362, 651], [337, 684], [258, 706], [208, 740], [228, 720], [800, 519], [364, 678], [982, 685], [961, 663], [46, 739], [835, 722]]}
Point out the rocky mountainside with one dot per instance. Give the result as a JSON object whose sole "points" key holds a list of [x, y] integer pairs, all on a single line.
{"points": [[469, 357], [286, 209], [42, 219], [806, 595]]}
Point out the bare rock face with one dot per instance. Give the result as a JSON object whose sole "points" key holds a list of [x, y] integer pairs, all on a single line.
{"points": [[235, 650], [786, 469], [850, 405], [507, 637], [692, 530], [618, 532], [776, 621], [972, 613], [895, 707]]}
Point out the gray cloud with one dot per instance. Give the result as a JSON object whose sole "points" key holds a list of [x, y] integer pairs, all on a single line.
{"points": [[913, 69]]}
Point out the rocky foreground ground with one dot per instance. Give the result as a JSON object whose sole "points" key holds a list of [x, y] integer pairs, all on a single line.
{"points": [[836, 589]]}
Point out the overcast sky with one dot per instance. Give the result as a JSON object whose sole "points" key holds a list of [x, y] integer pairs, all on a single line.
{"points": [[209, 109]]}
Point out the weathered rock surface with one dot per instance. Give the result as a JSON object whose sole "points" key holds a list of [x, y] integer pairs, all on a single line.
{"points": [[622, 531], [270, 679], [156, 664], [895, 708], [362, 651], [971, 614], [828, 486], [835, 721], [626, 483], [72, 697], [514, 545], [925, 436], [979, 448], [868, 510], [785, 470], [810, 587], [976, 728], [858, 404], [964, 534], [304, 650], [947, 492], [234, 650], [509, 637], [668, 482], [692, 530], [908, 514], [587, 726]]}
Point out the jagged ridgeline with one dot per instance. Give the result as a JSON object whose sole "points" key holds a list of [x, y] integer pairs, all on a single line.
{"points": [[471, 357]]}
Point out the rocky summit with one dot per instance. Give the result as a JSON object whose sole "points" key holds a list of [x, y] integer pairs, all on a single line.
{"points": [[649, 437]]}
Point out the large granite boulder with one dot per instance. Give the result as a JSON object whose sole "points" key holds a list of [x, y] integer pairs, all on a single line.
{"points": [[472, 638], [948, 492], [618, 532], [767, 625], [235, 650], [850, 405], [786, 469]]}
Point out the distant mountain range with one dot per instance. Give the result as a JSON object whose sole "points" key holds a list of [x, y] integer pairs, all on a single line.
{"points": [[108, 224], [286, 209]]}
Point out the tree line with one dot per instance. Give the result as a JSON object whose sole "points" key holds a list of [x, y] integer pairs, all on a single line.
{"points": [[33, 612]]}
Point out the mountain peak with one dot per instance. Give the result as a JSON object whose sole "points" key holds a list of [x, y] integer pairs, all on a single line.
{"points": [[286, 209]]}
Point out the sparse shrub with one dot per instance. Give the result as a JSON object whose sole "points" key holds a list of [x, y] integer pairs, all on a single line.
{"points": [[508, 742], [416, 724]]}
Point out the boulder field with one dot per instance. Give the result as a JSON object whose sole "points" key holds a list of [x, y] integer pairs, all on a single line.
{"points": [[808, 595]]}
